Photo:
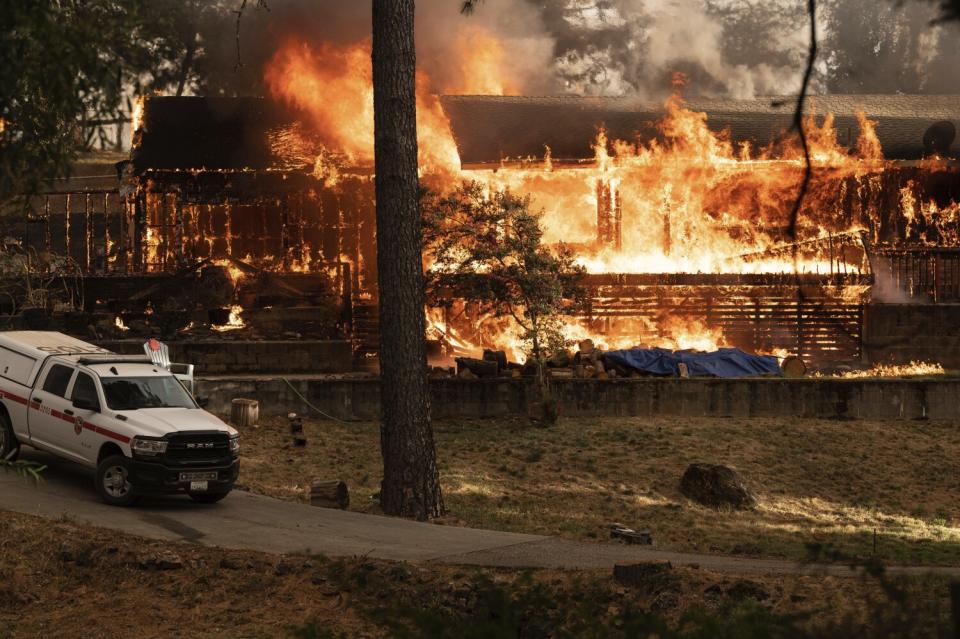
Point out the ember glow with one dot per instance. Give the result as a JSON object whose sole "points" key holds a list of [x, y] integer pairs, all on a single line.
{"points": [[913, 369], [234, 322], [136, 116]]}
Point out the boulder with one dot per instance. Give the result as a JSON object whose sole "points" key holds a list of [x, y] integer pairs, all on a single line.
{"points": [[745, 589], [716, 485]]}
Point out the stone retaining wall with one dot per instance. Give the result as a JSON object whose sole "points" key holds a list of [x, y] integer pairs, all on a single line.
{"points": [[244, 357], [456, 398]]}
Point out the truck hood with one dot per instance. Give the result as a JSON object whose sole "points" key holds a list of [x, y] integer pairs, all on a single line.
{"points": [[157, 422]]}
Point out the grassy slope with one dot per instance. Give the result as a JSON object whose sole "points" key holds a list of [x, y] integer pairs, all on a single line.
{"points": [[825, 482], [61, 579]]}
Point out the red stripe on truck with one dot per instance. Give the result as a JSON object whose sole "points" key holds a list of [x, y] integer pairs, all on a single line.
{"points": [[106, 432], [112, 435], [16, 398]]}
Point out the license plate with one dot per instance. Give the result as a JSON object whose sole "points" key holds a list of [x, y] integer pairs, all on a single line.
{"points": [[198, 476], [198, 486]]}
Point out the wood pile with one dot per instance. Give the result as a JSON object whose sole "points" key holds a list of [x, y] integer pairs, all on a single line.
{"points": [[587, 363], [493, 364]]}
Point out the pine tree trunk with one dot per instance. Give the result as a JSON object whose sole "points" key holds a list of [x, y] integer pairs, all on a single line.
{"points": [[411, 482]]}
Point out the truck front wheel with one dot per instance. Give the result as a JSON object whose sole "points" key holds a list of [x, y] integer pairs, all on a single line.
{"points": [[9, 446], [113, 481]]}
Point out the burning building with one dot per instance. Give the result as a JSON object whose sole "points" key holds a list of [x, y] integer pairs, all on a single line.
{"points": [[681, 213], [692, 243]]}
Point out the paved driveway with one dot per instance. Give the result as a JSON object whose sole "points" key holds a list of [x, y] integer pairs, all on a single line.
{"points": [[253, 522]]}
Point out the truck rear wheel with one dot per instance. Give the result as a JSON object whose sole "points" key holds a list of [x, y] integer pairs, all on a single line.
{"points": [[113, 481], [208, 498], [9, 446]]}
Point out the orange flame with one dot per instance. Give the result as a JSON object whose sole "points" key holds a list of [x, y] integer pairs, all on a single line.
{"points": [[913, 369], [692, 201], [482, 60], [334, 87]]}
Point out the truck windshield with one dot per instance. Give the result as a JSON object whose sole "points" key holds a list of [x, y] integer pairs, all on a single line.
{"points": [[131, 393]]}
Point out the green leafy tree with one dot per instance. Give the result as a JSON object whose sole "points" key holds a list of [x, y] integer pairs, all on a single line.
{"points": [[69, 70], [488, 249]]}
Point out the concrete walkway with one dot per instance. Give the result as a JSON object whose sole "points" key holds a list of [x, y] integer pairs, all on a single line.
{"points": [[253, 522]]}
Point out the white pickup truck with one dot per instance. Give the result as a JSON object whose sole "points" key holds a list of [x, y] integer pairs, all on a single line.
{"points": [[131, 420]]}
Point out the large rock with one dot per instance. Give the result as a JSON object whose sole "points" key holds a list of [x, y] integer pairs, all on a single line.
{"points": [[715, 485]]}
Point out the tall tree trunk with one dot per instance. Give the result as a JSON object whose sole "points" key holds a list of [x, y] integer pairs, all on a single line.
{"points": [[411, 482]]}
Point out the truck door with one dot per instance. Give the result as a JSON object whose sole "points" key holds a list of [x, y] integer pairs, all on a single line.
{"points": [[50, 426], [85, 443]]}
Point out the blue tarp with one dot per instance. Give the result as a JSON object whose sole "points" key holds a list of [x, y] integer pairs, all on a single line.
{"points": [[726, 362]]}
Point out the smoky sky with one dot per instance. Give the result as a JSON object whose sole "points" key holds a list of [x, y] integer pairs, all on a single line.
{"points": [[726, 48]]}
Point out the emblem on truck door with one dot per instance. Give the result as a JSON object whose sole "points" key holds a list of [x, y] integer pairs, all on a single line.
{"points": [[78, 425]]}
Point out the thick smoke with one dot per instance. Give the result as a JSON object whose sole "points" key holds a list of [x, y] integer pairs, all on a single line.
{"points": [[526, 50], [727, 48], [745, 48]]}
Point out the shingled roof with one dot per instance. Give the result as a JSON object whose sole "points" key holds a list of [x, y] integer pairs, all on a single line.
{"points": [[208, 133], [489, 129]]}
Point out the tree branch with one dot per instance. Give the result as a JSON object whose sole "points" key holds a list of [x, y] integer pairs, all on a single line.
{"points": [[261, 4], [469, 6], [798, 122]]}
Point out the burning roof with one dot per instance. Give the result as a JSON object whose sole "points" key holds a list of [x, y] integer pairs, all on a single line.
{"points": [[227, 134], [489, 129]]}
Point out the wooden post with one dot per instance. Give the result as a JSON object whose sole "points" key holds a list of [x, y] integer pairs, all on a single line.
{"points": [[48, 234], [244, 412], [106, 233], [66, 226], [329, 494], [87, 234], [296, 430]]}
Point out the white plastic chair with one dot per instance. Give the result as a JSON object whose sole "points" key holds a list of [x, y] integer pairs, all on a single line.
{"points": [[159, 354]]}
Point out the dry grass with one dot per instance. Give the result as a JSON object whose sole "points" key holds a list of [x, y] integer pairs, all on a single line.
{"points": [[828, 483], [61, 579]]}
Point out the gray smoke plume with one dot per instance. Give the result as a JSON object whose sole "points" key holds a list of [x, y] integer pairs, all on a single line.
{"points": [[727, 48], [743, 48]]}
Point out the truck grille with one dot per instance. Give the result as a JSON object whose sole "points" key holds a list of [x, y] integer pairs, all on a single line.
{"points": [[198, 449]]}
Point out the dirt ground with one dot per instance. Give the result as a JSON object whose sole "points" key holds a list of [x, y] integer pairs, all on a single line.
{"points": [[885, 489], [61, 579]]}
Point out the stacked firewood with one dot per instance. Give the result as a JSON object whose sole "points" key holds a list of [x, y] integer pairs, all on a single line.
{"points": [[588, 362], [493, 364]]}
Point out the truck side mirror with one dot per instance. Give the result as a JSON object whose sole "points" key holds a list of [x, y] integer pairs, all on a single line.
{"points": [[202, 402], [85, 404]]}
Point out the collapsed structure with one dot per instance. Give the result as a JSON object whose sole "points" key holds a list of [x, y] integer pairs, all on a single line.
{"points": [[229, 213]]}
